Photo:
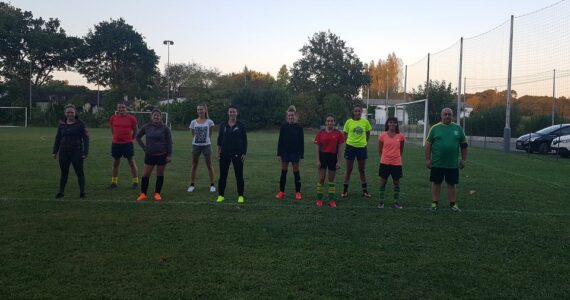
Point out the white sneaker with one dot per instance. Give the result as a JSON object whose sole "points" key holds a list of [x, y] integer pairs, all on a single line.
{"points": [[190, 189], [212, 189]]}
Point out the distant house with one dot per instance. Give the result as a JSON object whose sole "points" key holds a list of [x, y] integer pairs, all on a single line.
{"points": [[43, 96]]}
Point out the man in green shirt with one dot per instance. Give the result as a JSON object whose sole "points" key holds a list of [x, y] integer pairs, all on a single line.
{"points": [[443, 144]]}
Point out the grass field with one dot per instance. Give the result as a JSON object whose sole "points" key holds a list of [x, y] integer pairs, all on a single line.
{"points": [[512, 240]]}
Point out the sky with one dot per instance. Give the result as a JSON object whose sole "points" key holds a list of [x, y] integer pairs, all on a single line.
{"points": [[265, 34]]}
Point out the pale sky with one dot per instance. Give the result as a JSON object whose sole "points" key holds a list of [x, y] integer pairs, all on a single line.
{"points": [[265, 34]]}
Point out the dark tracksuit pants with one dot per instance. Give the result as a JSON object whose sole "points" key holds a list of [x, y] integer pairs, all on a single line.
{"points": [[65, 160], [225, 161]]}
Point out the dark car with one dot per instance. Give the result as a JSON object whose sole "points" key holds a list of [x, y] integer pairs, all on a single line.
{"points": [[540, 141]]}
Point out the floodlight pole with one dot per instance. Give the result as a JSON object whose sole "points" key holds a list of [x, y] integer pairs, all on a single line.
{"points": [[553, 94], [507, 131], [30, 90], [168, 43], [459, 83], [405, 81], [426, 107]]}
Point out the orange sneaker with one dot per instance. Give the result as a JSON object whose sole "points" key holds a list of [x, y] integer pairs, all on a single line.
{"points": [[332, 203], [280, 195], [157, 197], [297, 196], [141, 197]]}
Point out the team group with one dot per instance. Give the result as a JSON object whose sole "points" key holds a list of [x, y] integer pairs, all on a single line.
{"points": [[445, 143]]}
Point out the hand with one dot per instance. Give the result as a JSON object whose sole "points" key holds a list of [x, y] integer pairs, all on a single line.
{"points": [[218, 156], [428, 163], [279, 158], [337, 165], [462, 164], [168, 159], [318, 165], [243, 157], [84, 157], [54, 156]]}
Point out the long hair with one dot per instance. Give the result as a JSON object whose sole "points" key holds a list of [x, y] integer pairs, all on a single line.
{"points": [[352, 111], [205, 109], [392, 119]]}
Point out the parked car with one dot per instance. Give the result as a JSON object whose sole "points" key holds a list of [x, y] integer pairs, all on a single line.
{"points": [[540, 141], [561, 145]]}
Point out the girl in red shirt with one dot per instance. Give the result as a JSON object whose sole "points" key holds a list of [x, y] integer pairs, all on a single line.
{"points": [[390, 150], [329, 152]]}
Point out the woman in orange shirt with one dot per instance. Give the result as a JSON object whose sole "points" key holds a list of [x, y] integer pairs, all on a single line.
{"points": [[390, 150]]}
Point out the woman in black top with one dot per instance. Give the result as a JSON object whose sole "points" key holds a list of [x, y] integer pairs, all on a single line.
{"points": [[290, 149], [232, 148], [71, 146], [158, 152]]}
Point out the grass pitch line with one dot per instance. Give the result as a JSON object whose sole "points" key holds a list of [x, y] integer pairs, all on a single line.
{"points": [[279, 205], [521, 175]]}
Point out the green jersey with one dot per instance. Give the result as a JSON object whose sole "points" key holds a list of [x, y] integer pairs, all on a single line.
{"points": [[445, 140], [356, 131]]}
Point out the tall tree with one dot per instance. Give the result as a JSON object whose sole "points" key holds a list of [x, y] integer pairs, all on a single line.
{"points": [[115, 55], [441, 95], [33, 46], [283, 77], [385, 75], [328, 66]]}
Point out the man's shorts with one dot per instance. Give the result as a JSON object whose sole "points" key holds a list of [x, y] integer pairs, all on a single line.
{"points": [[386, 171], [290, 157], [122, 150], [328, 160], [197, 150], [155, 160], [351, 153], [437, 175]]}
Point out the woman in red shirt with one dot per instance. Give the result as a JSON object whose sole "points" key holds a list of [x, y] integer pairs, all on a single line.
{"points": [[329, 152], [390, 150]]}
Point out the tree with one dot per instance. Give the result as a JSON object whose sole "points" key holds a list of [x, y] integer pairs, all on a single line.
{"points": [[385, 75], [33, 45], [283, 77], [191, 76], [440, 96], [328, 66], [116, 56]]}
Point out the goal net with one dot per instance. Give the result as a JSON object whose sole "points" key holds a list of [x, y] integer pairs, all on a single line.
{"points": [[13, 117], [143, 117], [411, 119]]}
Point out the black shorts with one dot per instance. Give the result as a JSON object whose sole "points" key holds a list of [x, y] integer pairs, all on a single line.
{"points": [[386, 171], [351, 153], [328, 160], [438, 174], [122, 150], [290, 157], [155, 160]]}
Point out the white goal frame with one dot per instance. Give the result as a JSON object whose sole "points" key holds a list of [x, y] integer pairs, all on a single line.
{"points": [[17, 107], [426, 123], [164, 115]]}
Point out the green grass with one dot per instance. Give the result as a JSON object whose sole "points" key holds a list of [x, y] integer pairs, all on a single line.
{"points": [[512, 239]]}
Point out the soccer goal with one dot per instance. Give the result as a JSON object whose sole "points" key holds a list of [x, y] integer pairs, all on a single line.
{"points": [[143, 117], [13, 117], [411, 117]]}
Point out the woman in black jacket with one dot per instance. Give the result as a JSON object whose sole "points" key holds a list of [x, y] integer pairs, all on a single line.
{"points": [[290, 149], [71, 147]]}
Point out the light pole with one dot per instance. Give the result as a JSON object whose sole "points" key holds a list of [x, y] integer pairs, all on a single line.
{"points": [[168, 43]]}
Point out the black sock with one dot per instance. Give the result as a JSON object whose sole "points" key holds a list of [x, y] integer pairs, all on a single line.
{"points": [[297, 181], [144, 185], [191, 183], [282, 180], [159, 182], [345, 188], [451, 204], [365, 187]]}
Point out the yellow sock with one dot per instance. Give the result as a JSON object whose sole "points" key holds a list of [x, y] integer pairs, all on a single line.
{"points": [[135, 180], [114, 180]]}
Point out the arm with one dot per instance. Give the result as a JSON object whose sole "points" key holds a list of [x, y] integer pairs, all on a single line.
{"points": [[135, 128], [380, 149], [338, 156], [302, 141], [56, 143], [318, 156], [402, 148], [85, 138], [280, 143], [244, 137], [428, 155], [139, 136], [168, 136], [219, 140], [463, 155], [367, 136]]}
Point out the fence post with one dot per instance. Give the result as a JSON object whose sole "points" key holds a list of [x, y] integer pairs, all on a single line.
{"points": [[458, 112], [507, 131], [426, 108]]}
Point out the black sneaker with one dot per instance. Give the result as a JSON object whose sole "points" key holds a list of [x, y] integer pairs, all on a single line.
{"points": [[81, 196], [58, 195], [112, 186]]}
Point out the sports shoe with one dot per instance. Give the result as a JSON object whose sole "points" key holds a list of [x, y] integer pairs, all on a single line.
{"points": [[220, 199], [434, 206], [59, 195], [157, 197], [397, 206], [332, 203], [366, 194], [134, 186], [298, 196], [112, 186], [82, 196], [212, 189], [241, 199], [141, 197], [319, 202], [280, 195], [381, 205], [344, 194], [191, 189], [455, 208]]}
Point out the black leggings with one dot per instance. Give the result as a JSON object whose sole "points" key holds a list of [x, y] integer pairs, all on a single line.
{"points": [[66, 159], [225, 161]]}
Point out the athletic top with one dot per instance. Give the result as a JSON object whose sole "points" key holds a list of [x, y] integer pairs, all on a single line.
{"points": [[158, 139], [356, 131], [391, 148], [71, 138], [291, 140], [232, 140], [201, 132], [445, 140], [329, 141], [124, 128]]}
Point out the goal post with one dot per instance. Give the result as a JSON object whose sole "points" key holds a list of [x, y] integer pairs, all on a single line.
{"points": [[11, 116], [143, 117], [412, 119]]}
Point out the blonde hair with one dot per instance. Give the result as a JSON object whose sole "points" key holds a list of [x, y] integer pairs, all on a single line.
{"points": [[292, 109], [205, 109]]}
